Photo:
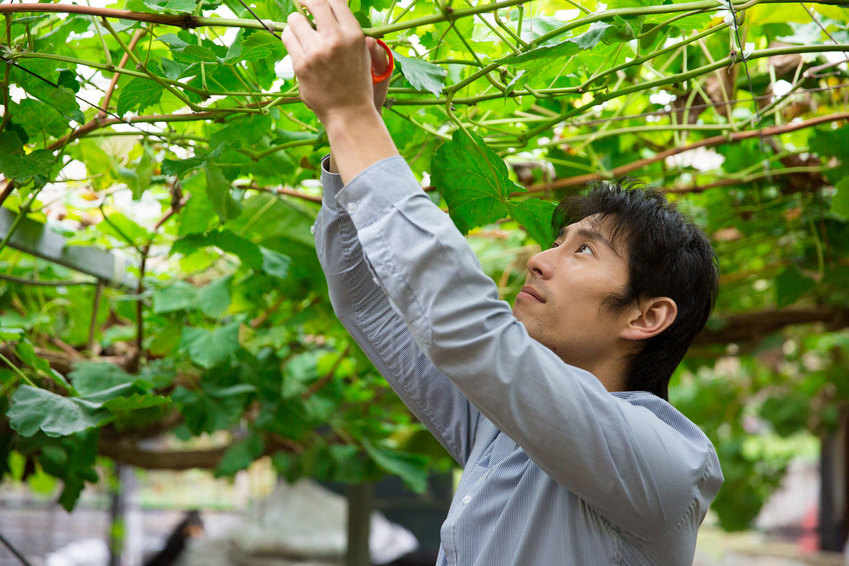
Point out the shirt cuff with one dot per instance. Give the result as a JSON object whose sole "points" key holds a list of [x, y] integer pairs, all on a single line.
{"points": [[376, 188], [331, 184]]}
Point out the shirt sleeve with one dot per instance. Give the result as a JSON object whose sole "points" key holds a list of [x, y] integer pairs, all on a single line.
{"points": [[368, 315], [634, 469]]}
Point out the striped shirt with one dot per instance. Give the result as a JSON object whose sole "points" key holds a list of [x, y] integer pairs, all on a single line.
{"points": [[557, 470]]}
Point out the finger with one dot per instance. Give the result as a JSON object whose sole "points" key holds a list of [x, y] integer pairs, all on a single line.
{"points": [[301, 29], [379, 60], [293, 47], [323, 16], [343, 14]]}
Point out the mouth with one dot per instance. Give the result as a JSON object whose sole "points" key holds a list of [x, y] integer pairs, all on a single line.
{"points": [[530, 293]]}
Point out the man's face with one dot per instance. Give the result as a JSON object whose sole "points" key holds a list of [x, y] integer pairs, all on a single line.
{"points": [[562, 304]]}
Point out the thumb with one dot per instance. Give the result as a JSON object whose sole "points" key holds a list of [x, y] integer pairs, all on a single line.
{"points": [[379, 61]]}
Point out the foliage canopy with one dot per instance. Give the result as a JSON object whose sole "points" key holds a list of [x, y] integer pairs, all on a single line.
{"points": [[168, 137]]}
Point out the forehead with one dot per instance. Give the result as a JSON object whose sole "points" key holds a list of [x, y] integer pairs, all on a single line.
{"points": [[599, 228]]}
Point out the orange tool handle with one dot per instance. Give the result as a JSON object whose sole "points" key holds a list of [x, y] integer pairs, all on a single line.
{"points": [[388, 72]]}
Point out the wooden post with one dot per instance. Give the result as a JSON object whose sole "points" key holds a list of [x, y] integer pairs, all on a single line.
{"points": [[834, 487], [359, 525]]}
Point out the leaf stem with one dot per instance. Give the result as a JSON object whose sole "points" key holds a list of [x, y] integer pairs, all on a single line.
{"points": [[106, 54], [7, 110], [18, 371], [104, 105]]}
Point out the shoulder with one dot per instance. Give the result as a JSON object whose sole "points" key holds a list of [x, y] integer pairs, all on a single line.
{"points": [[653, 407], [696, 450]]}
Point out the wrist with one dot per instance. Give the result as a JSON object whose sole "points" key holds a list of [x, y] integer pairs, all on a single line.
{"points": [[358, 139], [348, 118]]}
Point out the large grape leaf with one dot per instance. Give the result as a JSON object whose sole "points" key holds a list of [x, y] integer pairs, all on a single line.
{"points": [[209, 347], [535, 217], [92, 377], [35, 409], [261, 45], [474, 181], [137, 95]]}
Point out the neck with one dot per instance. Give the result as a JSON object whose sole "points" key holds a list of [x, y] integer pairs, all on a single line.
{"points": [[611, 371]]}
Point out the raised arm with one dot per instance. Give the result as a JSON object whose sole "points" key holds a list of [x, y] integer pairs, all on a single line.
{"points": [[365, 311]]}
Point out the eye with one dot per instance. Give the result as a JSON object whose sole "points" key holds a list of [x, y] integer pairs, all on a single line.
{"points": [[584, 249], [555, 244]]}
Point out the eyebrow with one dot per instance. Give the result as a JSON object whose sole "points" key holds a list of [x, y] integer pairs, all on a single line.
{"points": [[594, 235]]}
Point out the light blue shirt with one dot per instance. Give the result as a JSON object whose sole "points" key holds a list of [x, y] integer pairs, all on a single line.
{"points": [[557, 470]]}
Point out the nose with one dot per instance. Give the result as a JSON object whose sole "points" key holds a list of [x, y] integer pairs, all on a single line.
{"points": [[539, 264]]}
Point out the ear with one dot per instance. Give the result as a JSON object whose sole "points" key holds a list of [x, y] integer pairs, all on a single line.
{"points": [[650, 317]]}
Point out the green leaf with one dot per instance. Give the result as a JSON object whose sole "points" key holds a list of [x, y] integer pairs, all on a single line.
{"points": [[840, 202], [172, 41], [274, 263], [184, 6], [534, 215], [27, 354], [261, 45], [180, 166], [72, 459], [473, 179], [409, 467], [197, 53], [39, 118], [239, 456], [566, 48], [135, 402], [22, 168], [421, 74], [205, 413], [35, 409], [137, 95], [134, 409], [288, 418], [613, 4], [790, 285], [248, 252], [176, 297], [139, 181], [831, 142], [96, 377], [214, 298], [208, 348], [218, 191], [7, 333]]}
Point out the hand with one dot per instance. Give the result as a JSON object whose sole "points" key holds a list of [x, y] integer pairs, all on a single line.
{"points": [[333, 61], [333, 64]]}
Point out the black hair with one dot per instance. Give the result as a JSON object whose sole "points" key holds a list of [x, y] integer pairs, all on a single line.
{"points": [[668, 256]]}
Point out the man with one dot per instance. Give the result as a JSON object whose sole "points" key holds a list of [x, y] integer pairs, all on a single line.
{"points": [[555, 409]]}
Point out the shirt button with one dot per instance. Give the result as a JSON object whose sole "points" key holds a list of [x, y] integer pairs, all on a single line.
{"points": [[351, 208], [466, 499]]}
